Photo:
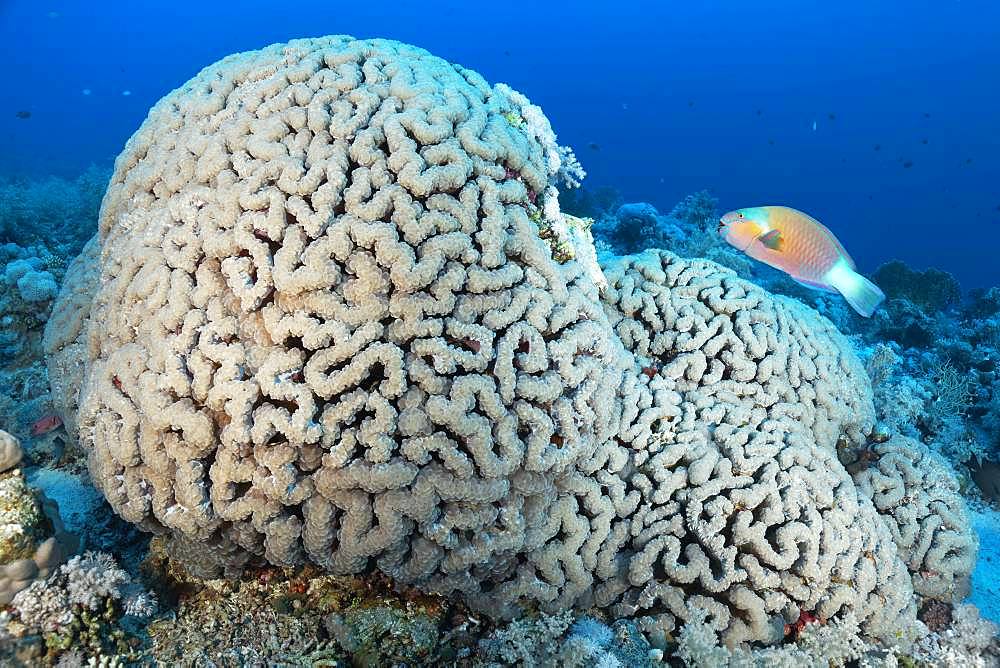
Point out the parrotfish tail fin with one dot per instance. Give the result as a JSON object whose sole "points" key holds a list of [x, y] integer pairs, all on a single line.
{"points": [[863, 295]]}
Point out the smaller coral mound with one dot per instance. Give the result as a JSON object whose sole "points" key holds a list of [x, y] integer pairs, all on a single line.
{"points": [[917, 494], [932, 289], [33, 285], [27, 288], [10, 452], [32, 538]]}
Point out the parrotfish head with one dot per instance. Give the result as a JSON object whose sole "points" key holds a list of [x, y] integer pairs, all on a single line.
{"points": [[741, 227]]}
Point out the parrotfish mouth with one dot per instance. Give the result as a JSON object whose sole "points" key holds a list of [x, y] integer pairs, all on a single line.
{"points": [[726, 221]]}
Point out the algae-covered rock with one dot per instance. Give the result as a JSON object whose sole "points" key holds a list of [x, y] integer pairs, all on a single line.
{"points": [[385, 635], [275, 616], [23, 524], [33, 540]]}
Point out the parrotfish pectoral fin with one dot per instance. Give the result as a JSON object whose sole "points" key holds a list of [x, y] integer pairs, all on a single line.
{"points": [[863, 295], [772, 240]]}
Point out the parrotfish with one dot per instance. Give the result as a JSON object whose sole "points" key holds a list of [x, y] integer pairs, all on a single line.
{"points": [[802, 247]]}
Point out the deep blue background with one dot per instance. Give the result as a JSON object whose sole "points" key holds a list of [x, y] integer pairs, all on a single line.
{"points": [[678, 96]]}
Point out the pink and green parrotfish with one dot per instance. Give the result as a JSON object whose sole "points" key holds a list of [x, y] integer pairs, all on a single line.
{"points": [[803, 248]]}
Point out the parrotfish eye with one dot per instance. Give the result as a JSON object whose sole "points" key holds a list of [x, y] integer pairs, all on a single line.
{"points": [[739, 213]]}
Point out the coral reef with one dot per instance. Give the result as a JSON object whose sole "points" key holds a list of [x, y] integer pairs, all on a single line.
{"points": [[296, 617], [52, 211], [689, 230], [336, 316], [556, 640]]}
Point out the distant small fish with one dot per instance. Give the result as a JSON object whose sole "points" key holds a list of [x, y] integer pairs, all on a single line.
{"points": [[926, 115], [759, 112], [832, 116], [594, 146], [23, 115], [877, 147], [907, 164], [126, 93], [771, 142], [924, 141], [968, 161], [799, 245], [625, 105], [506, 53], [45, 425], [690, 103], [53, 15], [85, 91], [814, 126]]}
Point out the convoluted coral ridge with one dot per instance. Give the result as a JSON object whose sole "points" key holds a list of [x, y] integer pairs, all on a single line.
{"points": [[66, 333], [327, 328], [742, 507], [918, 494], [340, 320]]}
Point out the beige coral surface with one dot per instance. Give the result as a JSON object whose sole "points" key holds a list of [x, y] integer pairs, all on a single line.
{"points": [[65, 340], [747, 512], [917, 492], [340, 319]]}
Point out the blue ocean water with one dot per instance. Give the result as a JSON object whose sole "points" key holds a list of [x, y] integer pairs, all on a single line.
{"points": [[880, 119]]}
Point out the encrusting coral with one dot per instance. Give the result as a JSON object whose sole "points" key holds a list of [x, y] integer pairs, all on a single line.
{"points": [[340, 319]]}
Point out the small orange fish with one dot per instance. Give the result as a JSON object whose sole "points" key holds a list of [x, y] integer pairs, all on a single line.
{"points": [[803, 248], [45, 425]]}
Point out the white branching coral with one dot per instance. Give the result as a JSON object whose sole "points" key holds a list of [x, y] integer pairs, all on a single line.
{"points": [[341, 320], [92, 577], [85, 582]]}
